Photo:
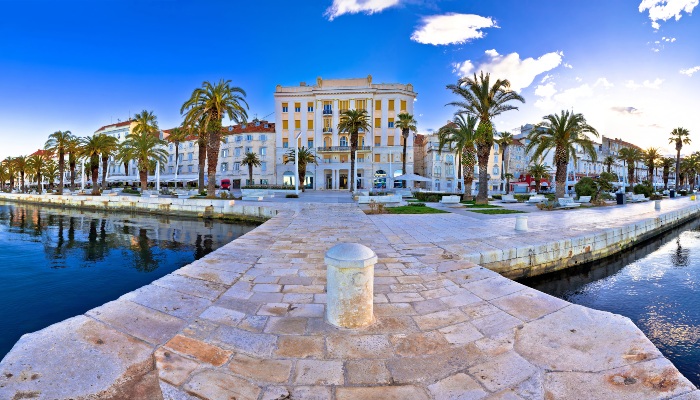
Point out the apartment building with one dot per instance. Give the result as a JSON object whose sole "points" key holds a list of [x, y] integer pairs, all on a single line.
{"points": [[311, 113], [119, 131]]}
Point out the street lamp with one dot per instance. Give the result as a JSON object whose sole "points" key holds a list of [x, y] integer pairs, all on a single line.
{"points": [[296, 162]]}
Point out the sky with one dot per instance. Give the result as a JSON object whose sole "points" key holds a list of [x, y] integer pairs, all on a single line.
{"points": [[631, 67]]}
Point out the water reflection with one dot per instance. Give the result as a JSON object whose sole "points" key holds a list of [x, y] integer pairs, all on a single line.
{"points": [[655, 285], [60, 263]]}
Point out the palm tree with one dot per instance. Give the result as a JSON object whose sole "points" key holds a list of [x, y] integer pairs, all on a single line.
{"points": [[690, 166], [251, 160], [51, 171], [459, 136], [20, 164], [484, 101], [609, 161], [666, 164], [73, 150], [537, 172], [679, 136], [630, 156], [562, 133], [650, 156], [407, 125], [59, 143], [145, 148], [35, 164], [4, 175], [208, 105], [90, 150], [9, 164], [109, 145], [504, 141], [177, 136], [306, 157], [351, 122]]}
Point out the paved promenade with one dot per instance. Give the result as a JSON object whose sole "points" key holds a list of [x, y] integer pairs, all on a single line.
{"points": [[246, 322]]}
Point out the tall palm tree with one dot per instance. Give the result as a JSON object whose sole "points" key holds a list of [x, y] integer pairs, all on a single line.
{"points": [[73, 150], [4, 175], [177, 136], [407, 124], [58, 143], [630, 156], [609, 161], [679, 136], [538, 171], [51, 171], [35, 164], [144, 147], [306, 157], [208, 105], [90, 150], [651, 156], [9, 164], [109, 145], [484, 101], [251, 160], [351, 122], [20, 164], [459, 135], [562, 133], [504, 141], [690, 166], [666, 164]]}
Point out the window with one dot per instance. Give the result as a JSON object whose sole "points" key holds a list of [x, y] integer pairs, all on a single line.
{"points": [[377, 140], [189, 156], [285, 124], [171, 158], [263, 166], [248, 149], [285, 143], [189, 168], [170, 170], [257, 123], [495, 147], [403, 105], [391, 105], [377, 105], [377, 122], [297, 124], [343, 105], [310, 144], [263, 138], [391, 140], [171, 148], [297, 107], [179, 157], [239, 138], [236, 166], [224, 153], [224, 167], [179, 169], [310, 124], [391, 123], [263, 181], [248, 138], [437, 156], [310, 106], [263, 151], [495, 158], [343, 141], [285, 107], [377, 157], [327, 107], [225, 140], [191, 144], [360, 104], [495, 170], [238, 151]]}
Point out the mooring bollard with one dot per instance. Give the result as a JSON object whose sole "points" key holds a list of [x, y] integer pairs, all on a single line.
{"points": [[521, 224], [350, 285], [657, 205]]}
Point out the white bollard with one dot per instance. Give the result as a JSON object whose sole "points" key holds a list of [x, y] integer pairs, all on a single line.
{"points": [[657, 205], [521, 224], [350, 285]]}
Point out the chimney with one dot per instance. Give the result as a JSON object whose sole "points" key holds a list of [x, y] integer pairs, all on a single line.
{"points": [[302, 83]]}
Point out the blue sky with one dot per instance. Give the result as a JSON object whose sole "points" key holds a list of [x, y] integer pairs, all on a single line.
{"points": [[628, 66]]}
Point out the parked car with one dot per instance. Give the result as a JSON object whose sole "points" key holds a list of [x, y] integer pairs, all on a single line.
{"points": [[226, 184]]}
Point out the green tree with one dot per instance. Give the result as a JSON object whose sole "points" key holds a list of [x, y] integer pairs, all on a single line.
{"points": [[459, 136], [9, 165], [306, 157], [630, 156], [35, 164], [679, 136], [482, 100], [251, 160], [51, 171], [177, 136], [90, 150], [144, 147], [73, 150], [650, 157], [207, 106], [407, 124], [538, 171], [562, 133], [59, 143], [666, 164], [20, 164], [609, 161], [4, 176], [504, 140], [109, 146], [351, 122]]}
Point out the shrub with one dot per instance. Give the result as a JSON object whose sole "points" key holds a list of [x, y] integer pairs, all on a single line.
{"points": [[585, 187], [646, 190], [273, 187], [417, 204], [376, 208], [683, 192], [497, 197], [521, 197], [292, 196], [548, 205], [430, 197], [655, 196], [130, 191]]}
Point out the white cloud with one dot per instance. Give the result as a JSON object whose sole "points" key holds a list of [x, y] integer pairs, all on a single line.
{"points": [[520, 73], [340, 7], [547, 90], [690, 71], [578, 79], [626, 110], [603, 82], [550, 98], [663, 10], [656, 84], [546, 78], [671, 40], [570, 96], [451, 28], [567, 65]]}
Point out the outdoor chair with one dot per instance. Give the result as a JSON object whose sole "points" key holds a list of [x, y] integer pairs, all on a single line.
{"points": [[584, 199], [567, 202], [508, 198]]}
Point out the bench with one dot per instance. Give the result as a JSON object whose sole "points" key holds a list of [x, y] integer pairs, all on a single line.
{"points": [[508, 198], [536, 199], [567, 202], [450, 200], [584, 199], [250, 197], [379, 199], [638, 198]]}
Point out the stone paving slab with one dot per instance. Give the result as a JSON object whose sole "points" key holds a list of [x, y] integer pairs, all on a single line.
{"points": [[251, 325]]}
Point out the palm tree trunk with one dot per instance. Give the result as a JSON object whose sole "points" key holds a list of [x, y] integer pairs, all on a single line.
{"points": [[38, 182], [143, 177], [404, 133], [561, 160], [202, 159], [21, 176], [302, 177], [94, 166], [483, 151], [506, 156], [177, 155], [61, 167], [213, 153], [72, 176], [678, 166], [353, 148], [104, 172], [250, 174]]}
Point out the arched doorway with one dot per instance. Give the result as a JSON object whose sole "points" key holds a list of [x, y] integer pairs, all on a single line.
{"points": [[288, 178], [309, 180], [380, 179]]}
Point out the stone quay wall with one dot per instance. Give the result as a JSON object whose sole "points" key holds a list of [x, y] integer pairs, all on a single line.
{"points": [[210, 208]]}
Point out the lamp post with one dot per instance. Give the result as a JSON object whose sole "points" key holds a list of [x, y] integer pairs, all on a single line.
{"points": [[296, 162], [157, 175], [82, 176]]}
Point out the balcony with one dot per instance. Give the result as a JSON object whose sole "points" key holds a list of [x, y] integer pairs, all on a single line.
{"points": [[327, 130], [327, 111], [326, 149]]}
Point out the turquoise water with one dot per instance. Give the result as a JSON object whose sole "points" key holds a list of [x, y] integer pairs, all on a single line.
{"points": [[656, 285], [55, 264]]}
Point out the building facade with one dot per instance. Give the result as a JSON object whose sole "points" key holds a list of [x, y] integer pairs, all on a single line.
{"points": [[310, 115]]}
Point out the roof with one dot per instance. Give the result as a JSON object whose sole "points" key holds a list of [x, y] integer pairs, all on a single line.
{"points": [[255, 126], [117, 125], [41, 153]]}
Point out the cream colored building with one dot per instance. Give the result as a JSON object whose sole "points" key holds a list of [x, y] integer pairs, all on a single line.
{"points": [[313, 112], [118, 131]]}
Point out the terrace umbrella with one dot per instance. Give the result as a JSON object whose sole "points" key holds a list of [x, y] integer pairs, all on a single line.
{"points": [[411, 177]]}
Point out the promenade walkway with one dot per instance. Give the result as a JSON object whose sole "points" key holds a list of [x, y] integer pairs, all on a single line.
{"points": [[247, 322]]}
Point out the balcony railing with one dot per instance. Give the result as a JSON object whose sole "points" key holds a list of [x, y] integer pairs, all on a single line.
{"points": [[341, 148], [327, 111], [327, 130]]}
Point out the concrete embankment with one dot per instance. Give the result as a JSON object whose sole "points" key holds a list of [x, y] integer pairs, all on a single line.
{"points": [[209, 208]]}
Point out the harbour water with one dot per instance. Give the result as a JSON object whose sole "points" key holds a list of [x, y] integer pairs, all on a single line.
{"points": [[55, 263]]}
